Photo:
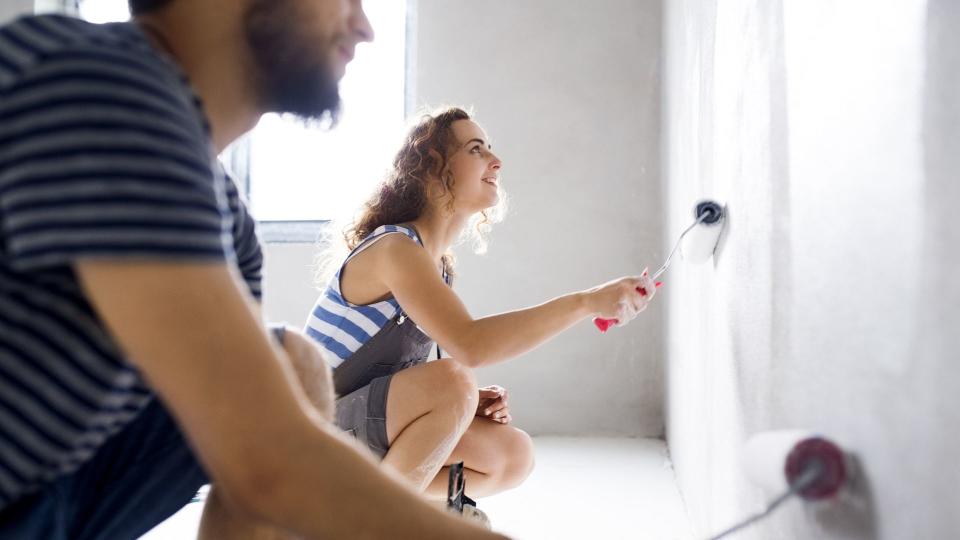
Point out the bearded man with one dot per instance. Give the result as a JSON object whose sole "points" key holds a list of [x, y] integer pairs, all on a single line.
{"points": [[134, 363]]}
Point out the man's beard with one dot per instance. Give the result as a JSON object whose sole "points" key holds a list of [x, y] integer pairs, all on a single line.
{"points": [[293, 71]]}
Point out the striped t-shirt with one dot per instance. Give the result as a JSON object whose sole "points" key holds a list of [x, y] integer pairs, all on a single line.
{"points": [[104, 153], [341, 327]]}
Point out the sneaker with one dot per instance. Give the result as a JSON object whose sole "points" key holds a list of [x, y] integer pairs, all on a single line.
{"points": [[457, 500], [470, 511]]}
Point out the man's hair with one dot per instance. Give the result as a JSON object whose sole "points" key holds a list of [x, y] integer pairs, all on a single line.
{"points": [[139, 7]]}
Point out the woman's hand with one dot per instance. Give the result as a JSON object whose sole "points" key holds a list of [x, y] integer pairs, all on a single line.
{"points": [[493, 404], [622, 299]]}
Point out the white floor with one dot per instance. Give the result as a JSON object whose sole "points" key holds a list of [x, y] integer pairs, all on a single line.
{"points": [[596, 488]]}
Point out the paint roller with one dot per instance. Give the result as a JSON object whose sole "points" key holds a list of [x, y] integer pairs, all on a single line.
{"points": [[701, 241], [776, 460], [794, 463]]}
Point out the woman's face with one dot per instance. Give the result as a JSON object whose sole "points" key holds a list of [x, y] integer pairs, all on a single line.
{"points": [[474, 167]]}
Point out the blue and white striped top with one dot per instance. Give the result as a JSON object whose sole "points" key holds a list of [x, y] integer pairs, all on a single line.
{"points": [[104, 153], [341, 327]]}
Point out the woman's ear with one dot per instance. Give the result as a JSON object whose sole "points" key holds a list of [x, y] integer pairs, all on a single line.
{"points": [[436, 160], [433, 188], [436, 188]]}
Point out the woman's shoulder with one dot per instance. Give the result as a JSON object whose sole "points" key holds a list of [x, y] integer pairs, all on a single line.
{"points": [[365, 274], [387, 235], [397, 229], [389, 241]]}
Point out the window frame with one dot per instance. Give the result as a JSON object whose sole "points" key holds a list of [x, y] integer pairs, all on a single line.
{"points": [[66, 7]]}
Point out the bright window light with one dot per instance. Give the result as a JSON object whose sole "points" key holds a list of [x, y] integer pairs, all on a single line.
{"points": [[300, 173], [102, 11]]}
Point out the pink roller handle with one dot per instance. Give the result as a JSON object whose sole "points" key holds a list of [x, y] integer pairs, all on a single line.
{"points": [[604, 324]]}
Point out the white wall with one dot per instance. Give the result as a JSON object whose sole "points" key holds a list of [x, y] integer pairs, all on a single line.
{"points": [[832, 131], [570, 98]]}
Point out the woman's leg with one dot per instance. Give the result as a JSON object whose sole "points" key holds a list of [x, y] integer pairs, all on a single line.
{"points": [[432, 422], [496, 457], [429, 407]]}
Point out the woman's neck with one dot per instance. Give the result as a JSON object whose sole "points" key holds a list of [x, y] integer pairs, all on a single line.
{"points": [[439, 230]]}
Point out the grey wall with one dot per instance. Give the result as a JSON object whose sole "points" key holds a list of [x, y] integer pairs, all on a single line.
{"points": [[832, 131], [570, 98], [12, 8]]}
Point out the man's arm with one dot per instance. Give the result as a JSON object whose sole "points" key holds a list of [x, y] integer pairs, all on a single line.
{"points": [[201, 346]]}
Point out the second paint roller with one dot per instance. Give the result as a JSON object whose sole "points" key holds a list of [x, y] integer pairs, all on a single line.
{"points": [[702, 237]]}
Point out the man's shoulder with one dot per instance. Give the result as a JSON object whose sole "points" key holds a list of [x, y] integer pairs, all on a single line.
{"points": [[49, 34], [57, 43], [61, 72]]}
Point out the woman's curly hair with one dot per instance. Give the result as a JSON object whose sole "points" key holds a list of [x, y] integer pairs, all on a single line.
{"points": [[402, 196]]}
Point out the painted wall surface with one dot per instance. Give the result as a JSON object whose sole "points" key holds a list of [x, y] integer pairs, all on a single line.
{"points": [[10, 9], [570, 99], [832, 132]]}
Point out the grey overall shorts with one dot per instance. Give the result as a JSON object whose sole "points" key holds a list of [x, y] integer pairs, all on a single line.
{"points": [[363, 379]]}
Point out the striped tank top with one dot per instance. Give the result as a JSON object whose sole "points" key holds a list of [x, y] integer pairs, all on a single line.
{"points": [[341, 327]]}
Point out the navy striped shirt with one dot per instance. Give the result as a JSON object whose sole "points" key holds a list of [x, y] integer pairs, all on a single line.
{"points": [[104, 153]]}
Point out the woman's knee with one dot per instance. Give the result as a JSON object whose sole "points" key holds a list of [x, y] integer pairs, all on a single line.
{"points": [[519, 452], [313, 371], [455, 386]]}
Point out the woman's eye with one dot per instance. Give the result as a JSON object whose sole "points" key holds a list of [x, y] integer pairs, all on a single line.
{"points": [[476, 150]]}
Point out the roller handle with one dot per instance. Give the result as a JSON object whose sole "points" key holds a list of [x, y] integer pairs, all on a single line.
{"points": [[604, 324]]}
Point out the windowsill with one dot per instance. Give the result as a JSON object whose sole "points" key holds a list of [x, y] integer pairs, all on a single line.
{"points": [[291, 232]]}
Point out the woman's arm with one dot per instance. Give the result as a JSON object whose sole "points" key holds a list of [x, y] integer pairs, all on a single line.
{"points": [[407, 271]]}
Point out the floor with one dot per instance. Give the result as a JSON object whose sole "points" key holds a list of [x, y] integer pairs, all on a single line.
{"points": [[608, 489]]}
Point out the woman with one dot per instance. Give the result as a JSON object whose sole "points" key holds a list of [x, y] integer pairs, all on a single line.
{"points": [[392, 292]]}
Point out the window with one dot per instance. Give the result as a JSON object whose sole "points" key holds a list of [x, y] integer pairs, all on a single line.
{"points": [[295, 174], [101, 11]]}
